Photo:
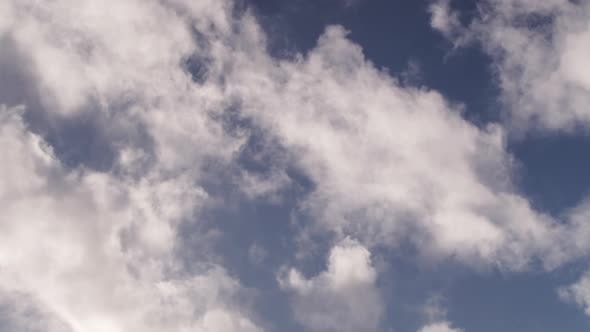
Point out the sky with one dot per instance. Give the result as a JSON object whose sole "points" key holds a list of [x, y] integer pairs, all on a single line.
{"points": [[268, 165]]}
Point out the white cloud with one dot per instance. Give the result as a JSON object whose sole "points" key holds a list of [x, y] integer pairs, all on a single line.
{"points": [[257, 254], [444, 19], [97, 251], [578, 293], [20, 312], [439, 327], [387, 163], [342, 298], [391, 162], [539, 54], [121, 60], [436, 314], [61, 243]]}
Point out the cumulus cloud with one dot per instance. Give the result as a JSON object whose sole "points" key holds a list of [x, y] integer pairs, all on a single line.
{"points": [[62, 245], [578, 293], [439, 327], [436, 314], [387, 163], [118, 60], [539, 55], [344, 297], [391, 162], [444, 19], [96, 251]]}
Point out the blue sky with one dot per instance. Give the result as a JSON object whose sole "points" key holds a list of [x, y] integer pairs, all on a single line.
{"points": [[265, 165]]}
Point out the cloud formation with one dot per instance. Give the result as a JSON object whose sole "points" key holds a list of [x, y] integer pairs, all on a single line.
{"points": [[578, 293], [175, 90], [539, 55], [96, 252], [439, 327], [392, 163], [344, 297]]}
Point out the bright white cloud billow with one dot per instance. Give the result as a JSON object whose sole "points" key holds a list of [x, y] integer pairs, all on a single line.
{"points": [[436, 312], [445, 20], [439, 327], [62, 245], [96, 251], [578, 293], [174, 89], [540, 55], [392, 162], [342, 298]]}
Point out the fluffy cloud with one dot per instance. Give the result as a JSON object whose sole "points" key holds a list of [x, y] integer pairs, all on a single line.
{"points": [[436, 314], [444, 19], [388, 162], [96, 252], [342, 298], [539, 54], [439, 327], [119, 61], [391, 162], [578, 293], [171, 84]]}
